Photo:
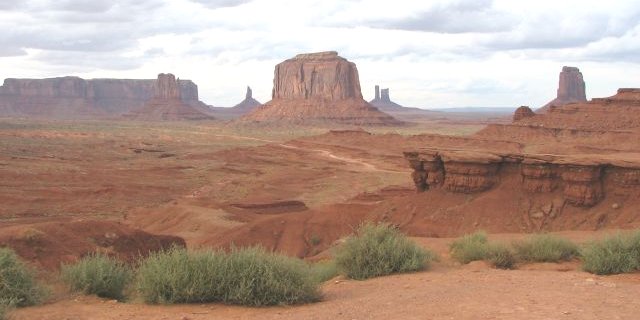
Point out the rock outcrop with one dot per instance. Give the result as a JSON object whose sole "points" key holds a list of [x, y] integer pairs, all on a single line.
{"points": [[167, 103], [383, 102], [318, 87], [571, 88], [523, 112], [77, 98], [582, 181]]}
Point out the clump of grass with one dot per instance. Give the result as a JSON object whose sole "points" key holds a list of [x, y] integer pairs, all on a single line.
{"points": [[612, 255], [248, 276], [500, 256], [470, 247], [545, 248], [323, 271], [98, 274], [178, 276], [18, 287], [377, 250], [5, 306]]}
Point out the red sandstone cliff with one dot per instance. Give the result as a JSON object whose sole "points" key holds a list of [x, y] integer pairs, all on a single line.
{"points": [[318, 87], [76, 98]]}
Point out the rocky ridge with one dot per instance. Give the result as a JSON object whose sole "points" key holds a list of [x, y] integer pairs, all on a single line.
{"points": [[77, 98]]}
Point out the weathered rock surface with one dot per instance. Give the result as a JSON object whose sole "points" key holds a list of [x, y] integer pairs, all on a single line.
{"points": [[77, 98], [167, 103], [582, 182], [571, 88], [523, 112], [318, 87]]}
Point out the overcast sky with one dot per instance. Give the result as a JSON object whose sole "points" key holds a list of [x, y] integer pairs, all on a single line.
{"points": [[431, 54]]}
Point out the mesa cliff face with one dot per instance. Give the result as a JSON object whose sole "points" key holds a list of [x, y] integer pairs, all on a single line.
{"points": [[581, 182], [318, 87], [73, 97], [167, 103], [571, 88]]}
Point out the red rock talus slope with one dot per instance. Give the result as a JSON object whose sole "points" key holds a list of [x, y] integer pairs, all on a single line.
{"points": [[167, 104], [76, 98], [318, 87], [571, 88]]}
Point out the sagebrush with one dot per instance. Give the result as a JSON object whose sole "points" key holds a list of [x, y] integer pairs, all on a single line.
{"points": [[249, 276], [18, 286], [98, 274], [377, 250], [545, 248], [615, 254]]}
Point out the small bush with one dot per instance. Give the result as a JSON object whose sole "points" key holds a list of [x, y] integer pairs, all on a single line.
{"points": [[98, 274], [249, 276], [546, 248], [470, 247], [377, 250], [178, 276], [612, 255], [18, 286], [500, 256], [5, 306], [323, 271]]}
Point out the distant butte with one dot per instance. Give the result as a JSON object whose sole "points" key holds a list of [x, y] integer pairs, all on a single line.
{"points": [[383, 102], [571, 88], [77, 98], [245, 106], [318, 87], [167, 103]]}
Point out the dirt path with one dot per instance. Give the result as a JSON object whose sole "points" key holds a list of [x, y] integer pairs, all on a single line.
{"points": [[325, 153], [469, 292]]}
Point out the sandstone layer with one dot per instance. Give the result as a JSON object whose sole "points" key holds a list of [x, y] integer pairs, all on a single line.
{"points": [[77, 98], [318, 87], [167, 103], [571, 88]]}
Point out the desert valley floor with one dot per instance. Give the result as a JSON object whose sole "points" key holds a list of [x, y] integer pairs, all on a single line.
{"points": [[71, 187]]}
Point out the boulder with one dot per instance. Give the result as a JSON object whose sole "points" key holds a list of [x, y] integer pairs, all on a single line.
{"points": [[523, 112]]}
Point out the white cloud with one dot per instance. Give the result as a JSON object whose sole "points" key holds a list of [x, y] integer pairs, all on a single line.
{"points": [[430, 53]]}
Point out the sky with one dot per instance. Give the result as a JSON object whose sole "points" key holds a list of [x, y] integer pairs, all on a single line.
{"points": [[431, 54]]}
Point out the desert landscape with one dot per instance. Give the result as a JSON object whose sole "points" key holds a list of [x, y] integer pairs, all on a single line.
{"points": [[470, 213]]}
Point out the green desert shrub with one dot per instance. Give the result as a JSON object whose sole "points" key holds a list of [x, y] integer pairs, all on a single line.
{"points": [[470, 247], [248, 276], [179, 276], [500, 256], [18, 286], [98, 274], [255, 277], [612, 255], [323, 271], [545, 248], [377, 250]]}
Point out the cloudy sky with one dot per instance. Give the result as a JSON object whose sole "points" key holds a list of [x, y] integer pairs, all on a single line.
{"points": [[449, 53]]}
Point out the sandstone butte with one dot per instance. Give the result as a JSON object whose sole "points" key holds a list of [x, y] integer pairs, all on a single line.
{"points": [[383, 102], [245, 106], [77, 98], [581, 155], [167, 103], [318, 88], [571, 88]]}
